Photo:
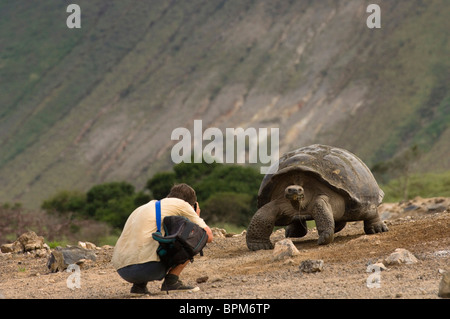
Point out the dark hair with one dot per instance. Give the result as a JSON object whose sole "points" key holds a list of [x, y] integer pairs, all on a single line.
{"points": [[184, 192]]}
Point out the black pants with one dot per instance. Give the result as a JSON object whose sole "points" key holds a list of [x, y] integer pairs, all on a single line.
{"points": [[143, 273]]}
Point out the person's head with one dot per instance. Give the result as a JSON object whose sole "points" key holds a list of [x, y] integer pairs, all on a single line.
{"points": [[184, 192]]}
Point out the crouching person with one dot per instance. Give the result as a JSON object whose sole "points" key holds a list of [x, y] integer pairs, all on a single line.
{"points": [[135, 255]]}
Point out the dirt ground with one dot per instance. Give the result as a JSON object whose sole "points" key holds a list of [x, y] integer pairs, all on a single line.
{"points": [[234, 272]]}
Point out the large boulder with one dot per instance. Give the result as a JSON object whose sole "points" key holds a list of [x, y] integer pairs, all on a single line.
{"points": [[61, 258], [31, 241], [27, 242]]}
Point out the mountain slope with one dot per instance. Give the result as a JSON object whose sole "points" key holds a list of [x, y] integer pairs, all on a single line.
{"points": [[83, 106]]}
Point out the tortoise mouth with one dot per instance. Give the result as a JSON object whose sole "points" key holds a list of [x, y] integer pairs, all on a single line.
{"points": [[295, 197], [294, 193]]}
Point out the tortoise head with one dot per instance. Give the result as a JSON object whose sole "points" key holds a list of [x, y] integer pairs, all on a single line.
{"points": [[294, 193]]}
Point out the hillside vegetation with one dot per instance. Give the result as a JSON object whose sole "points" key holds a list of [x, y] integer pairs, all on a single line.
{"points": [[80, 107]]}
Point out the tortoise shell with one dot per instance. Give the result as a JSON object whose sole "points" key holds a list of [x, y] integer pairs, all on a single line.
{"points": [[338, 168]]}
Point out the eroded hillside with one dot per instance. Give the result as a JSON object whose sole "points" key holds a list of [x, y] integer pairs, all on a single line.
{"points": [[84, 106]]}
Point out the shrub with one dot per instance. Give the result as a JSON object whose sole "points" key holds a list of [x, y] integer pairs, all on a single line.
{"points": [[228, 207], [111, 202], [160, 184], [64, 202]]}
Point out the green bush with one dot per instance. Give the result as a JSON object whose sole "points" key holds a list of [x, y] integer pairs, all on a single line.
{"points": [[160, 184], [193, 173], [111, 202], [116, 211], [229, 178], [228, 207], [226, 193], [99, 195], [65, 202]]}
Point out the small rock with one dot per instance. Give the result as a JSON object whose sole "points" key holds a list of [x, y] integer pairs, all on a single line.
{"points": [[218, 232], [201, 280], [411, 207], [86, 245], [14, 247], [436, 208], [289, 262], [310, 265], [284, 248], [243, 233], [85, 263], [444, 286], [400, 256], [278, 235], [379, 266], [41, 253], [442, 253]]}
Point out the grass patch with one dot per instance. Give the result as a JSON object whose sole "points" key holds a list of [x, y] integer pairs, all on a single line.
{"points": [[424, 185], [55, 243], [230, 228]]}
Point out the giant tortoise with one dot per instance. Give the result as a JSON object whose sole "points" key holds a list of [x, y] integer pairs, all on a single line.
{"points": [[318, 182]]}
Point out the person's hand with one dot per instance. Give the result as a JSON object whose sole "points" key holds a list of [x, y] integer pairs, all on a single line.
{"points": [[198, 209]]}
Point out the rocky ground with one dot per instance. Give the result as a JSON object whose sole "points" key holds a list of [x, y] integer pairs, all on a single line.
{"points": [[229, 270]]}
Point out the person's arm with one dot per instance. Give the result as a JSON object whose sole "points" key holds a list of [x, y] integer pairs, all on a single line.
{"points": [[209, 233]]}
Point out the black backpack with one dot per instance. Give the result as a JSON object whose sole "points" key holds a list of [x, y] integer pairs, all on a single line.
{"points": [[183, 240]]}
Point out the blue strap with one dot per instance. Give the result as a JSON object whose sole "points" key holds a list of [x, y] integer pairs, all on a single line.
{"points": [[158, 215]]}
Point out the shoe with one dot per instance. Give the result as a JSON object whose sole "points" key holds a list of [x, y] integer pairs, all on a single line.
{"points": [[171, 282], [139, 289]]}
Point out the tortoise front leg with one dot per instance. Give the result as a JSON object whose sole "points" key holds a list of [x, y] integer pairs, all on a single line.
{"points": [[261, 227], [373, 223], [323, 216]]}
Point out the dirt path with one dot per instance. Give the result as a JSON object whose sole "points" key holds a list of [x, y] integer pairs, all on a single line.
{"points": [[235, 272]]}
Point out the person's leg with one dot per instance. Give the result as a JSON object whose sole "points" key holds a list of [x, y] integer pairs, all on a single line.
{"points": [[140, 274], [178, 269], [172, 281]]}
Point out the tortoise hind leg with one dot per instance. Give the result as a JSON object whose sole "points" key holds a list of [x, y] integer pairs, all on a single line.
{"points": [[297, 227]]}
